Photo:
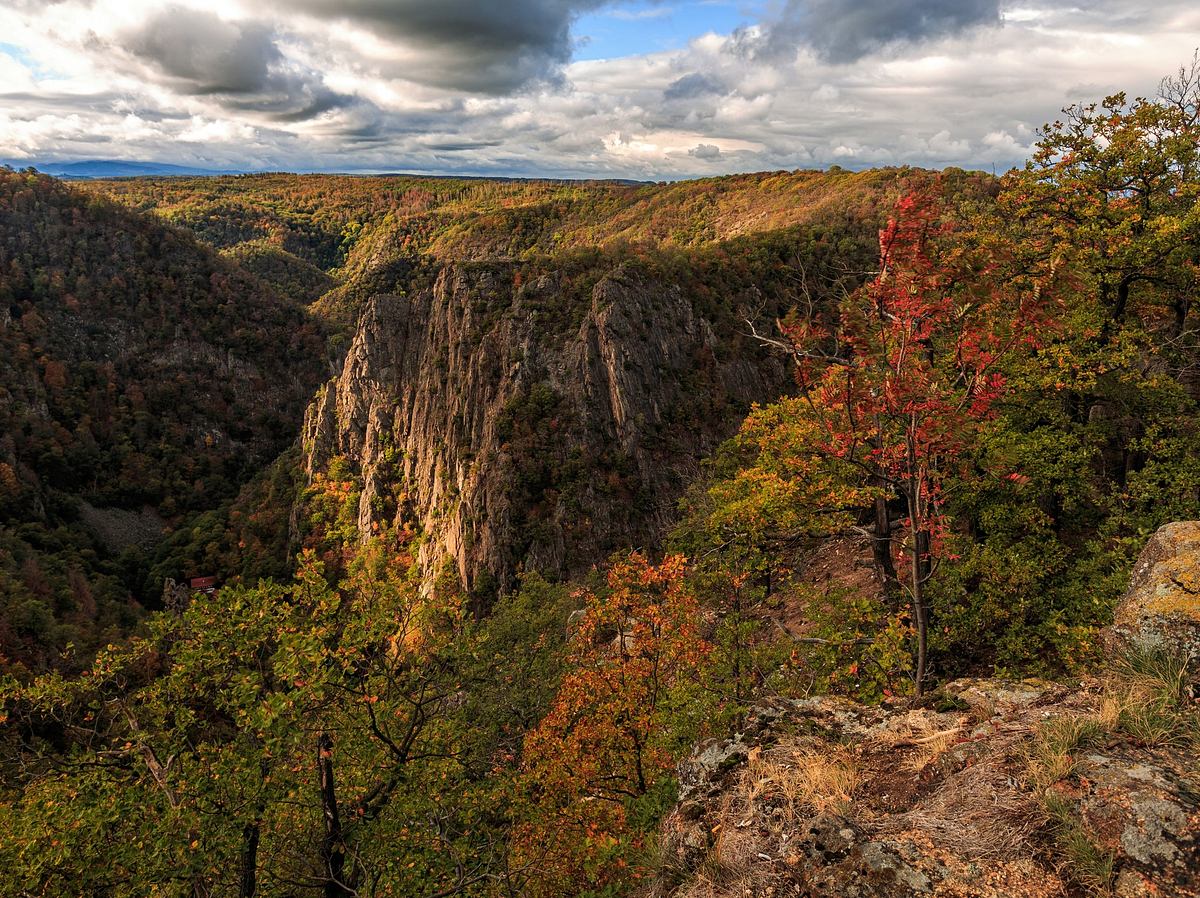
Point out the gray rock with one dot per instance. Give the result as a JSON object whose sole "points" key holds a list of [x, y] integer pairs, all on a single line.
{"points": [[435, 385], [1161, 608], [881, 859]]}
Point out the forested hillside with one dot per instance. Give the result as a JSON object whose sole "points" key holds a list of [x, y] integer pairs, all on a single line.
{"points": [[143, 379], [532, 359], [360, 227], [601, 472]]}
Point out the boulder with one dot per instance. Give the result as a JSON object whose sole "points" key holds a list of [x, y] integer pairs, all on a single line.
{"points": [[1161, 608]]}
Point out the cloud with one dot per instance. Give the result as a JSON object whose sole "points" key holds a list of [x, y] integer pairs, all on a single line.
{"points": [[844, 31], [203, 53], [450, 86], [197, 53], [480, 46], [693, 85]]}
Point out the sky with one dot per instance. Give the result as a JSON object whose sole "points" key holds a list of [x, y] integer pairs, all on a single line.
{"points": [[645, 89]]}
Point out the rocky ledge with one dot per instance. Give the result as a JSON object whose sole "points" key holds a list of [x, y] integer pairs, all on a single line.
{"points": [[985, 788]]}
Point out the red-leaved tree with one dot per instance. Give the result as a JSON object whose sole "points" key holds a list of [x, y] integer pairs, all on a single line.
{"points": [[898, 383]]}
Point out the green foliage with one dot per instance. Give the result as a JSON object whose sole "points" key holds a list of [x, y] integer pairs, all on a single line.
{"points": [[515, 662], [187, 748], [1091, 446], [245, 540], [596, 767], [341, 726], [1100, 425], [862, 649], [290, 276]]}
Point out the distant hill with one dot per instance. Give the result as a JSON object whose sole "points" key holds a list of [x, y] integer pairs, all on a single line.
{"points": [[116, 168]]}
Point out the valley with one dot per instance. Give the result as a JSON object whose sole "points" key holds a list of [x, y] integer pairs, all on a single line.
{"points": [[606, 538]]}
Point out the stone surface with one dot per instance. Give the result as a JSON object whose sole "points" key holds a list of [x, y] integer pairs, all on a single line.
{"points": [[1146, 813], [1161, 608], [959, 820], [526, 432]]}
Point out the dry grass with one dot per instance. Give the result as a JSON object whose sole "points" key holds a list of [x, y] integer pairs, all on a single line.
{"points": [[930, 748], [1146, 699], [993, 811], [983, 707], [1112, 705], [719, 883], [802, 779], [1050, 755], [921, 731], [778, 789], [978, 813]]}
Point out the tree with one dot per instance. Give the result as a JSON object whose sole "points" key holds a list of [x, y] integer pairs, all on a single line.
{"points": [[1115, 185], [892, 393], [294, 736], [611, 736]]}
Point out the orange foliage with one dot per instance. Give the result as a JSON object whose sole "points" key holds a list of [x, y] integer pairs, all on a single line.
{"points": [[605, 741]]}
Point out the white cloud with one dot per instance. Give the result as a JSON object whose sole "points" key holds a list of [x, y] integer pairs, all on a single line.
{"points": [[339, 87]]}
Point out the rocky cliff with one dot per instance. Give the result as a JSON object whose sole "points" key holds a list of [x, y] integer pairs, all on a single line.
{"points": [[533, 425]]}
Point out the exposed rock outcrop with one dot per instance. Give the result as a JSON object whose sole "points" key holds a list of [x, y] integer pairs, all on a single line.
{"points": [[1161, 608], [989, 789], [825, 798], [521, 428], [118, 529]]}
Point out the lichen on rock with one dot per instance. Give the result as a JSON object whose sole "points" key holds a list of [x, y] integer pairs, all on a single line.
{"points": [[1161, 608]]}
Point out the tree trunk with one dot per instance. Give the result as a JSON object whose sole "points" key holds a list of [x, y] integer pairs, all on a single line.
{"points": [[249, 863], [1122, 304], [1183, 305], [920, 613], [918, 539], [881, 544], [333, 849]]}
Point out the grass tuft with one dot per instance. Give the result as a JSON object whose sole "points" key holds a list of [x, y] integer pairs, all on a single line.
{"points": [[1086, 862], [1051, 754], [1155, 676], [821, 780]]}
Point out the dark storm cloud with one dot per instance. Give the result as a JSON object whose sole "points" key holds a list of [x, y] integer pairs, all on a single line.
{"points": [[693, 85], [205, 53], [238, 63], [481, 46], [842, 31]]}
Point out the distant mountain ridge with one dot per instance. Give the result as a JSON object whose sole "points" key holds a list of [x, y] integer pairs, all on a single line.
{"points": [[117, 168], [103, 169]]}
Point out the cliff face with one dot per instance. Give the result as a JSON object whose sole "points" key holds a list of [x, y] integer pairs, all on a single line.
{"points": [[521, 429]]}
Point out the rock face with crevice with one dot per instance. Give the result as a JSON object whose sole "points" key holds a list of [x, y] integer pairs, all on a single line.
{"points": [[522, 429]]}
